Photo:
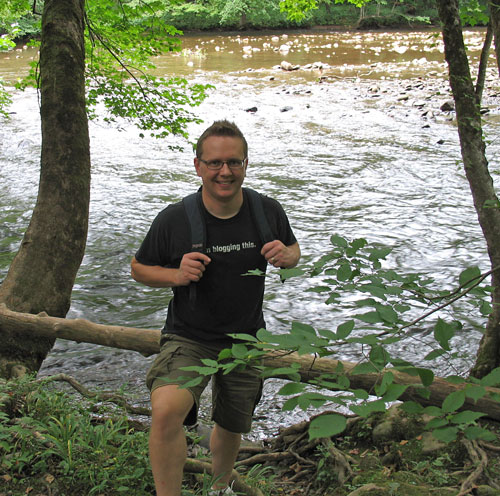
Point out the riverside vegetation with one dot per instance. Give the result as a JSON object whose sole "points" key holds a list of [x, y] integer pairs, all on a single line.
{"points": [[54, 443]]}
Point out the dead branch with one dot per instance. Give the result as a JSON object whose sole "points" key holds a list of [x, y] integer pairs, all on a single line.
{"points": [[146, 341], [112, 397]]}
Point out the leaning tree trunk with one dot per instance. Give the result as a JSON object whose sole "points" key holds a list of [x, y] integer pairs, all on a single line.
{"points": [[476, 169], [495, 23], [42, 273]]}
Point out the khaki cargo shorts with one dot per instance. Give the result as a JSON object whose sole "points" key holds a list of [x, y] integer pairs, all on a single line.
{"points": [[234, 395]]}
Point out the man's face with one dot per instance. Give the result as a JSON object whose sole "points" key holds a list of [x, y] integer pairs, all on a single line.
{"points": [[225, 183]]}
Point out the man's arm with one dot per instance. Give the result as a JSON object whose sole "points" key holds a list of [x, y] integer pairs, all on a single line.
{"points": [[190, 270], [279, 255]]}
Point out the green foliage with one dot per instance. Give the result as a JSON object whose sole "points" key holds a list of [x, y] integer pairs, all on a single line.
{"points": [[122, 39], [5, 100], [473, 12], [83, 448], [356, 277]]}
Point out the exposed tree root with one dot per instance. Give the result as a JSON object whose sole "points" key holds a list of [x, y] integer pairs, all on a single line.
{"points": [[480, 460]]}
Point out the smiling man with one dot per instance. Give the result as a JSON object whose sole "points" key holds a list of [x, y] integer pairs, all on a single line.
{"points": [[224, 302]]}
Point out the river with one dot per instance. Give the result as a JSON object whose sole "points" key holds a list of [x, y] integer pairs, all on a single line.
{"points": [[356, 145]]}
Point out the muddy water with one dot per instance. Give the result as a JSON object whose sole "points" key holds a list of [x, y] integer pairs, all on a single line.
{"points": [[353, 142]]}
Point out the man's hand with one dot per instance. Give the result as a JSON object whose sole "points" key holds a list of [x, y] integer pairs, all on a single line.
{"points": [[279, 255], [191, 268]]}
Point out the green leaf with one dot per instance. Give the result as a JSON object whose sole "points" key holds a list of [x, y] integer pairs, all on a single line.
{"points": [[492, 379], [436, 423], [239, 350], [387, 313], [303, 329], [291, 388], [412, 407], [370, 317], [364, 368], [368, 408], [290, 404], [337, 240], [318, 289], [443, 332], [209, 362], [433, 411], [477, 432], [200, 370], [466, 417], [447, 434], [289, 273], [453, 401], [326, 333], [379, 356], [475, 392], [344, 329], [485, 308], [360, 394], [374, 290], [394, 391], [327, 425], [191, 383], [344, 272], [426, 376], [469, 276], [434, 354], [288, 372], [380, 253]]}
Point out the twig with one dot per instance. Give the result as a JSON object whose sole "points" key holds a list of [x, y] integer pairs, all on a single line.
{"points": [[115, 398]]}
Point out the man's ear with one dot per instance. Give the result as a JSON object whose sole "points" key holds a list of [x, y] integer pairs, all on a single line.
{"points": [[197, 166]]}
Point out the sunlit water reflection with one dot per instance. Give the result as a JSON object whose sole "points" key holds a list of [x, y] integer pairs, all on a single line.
{"points": [[365, 153]]}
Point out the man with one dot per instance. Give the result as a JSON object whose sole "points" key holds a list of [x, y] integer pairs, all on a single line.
{"points": [[224, 302]]}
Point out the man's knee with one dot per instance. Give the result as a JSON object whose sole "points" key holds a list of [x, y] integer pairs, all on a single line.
{"points": [[169, 406]]}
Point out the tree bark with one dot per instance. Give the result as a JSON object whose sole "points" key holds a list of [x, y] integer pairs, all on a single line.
{"points": [[483, 63], [473, 147], [495, 23], [146, 341], [42, 273]]}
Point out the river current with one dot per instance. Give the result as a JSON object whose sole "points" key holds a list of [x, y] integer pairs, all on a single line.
{"points": [[355, 144]]}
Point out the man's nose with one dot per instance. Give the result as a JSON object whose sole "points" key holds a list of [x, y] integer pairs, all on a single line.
{"points": [[225, 169]]}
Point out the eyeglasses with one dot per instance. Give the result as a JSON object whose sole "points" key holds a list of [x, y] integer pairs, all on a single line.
{"points": [[232, 163]]}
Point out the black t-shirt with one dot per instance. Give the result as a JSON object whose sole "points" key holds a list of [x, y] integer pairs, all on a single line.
{"points": [[226, 301]]}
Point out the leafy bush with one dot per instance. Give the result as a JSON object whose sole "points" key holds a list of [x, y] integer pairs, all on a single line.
{"points": [[49, 439]]}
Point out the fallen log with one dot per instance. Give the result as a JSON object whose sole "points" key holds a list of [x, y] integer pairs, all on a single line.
{"points": [[146, 342]]}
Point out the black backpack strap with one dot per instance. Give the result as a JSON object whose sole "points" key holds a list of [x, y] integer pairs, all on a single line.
{"points": [[196, 221], [198, 232], [259, 216]]}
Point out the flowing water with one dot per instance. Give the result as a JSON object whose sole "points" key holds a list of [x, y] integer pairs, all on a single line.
{"points": [[354, 143]]}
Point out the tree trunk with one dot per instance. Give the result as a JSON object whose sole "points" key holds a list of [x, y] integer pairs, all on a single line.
{"points": [[495, 23], [483, 63], [42, 273], [476, 169], [146, 341]]}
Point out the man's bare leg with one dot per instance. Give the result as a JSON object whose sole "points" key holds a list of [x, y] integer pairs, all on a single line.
{"points": [[167, 441], [224, 446]]}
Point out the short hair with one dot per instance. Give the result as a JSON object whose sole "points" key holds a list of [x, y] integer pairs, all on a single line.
{"points": [[221, 128]]}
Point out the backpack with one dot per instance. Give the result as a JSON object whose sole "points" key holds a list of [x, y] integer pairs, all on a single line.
{"points": [[193, 204]]}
